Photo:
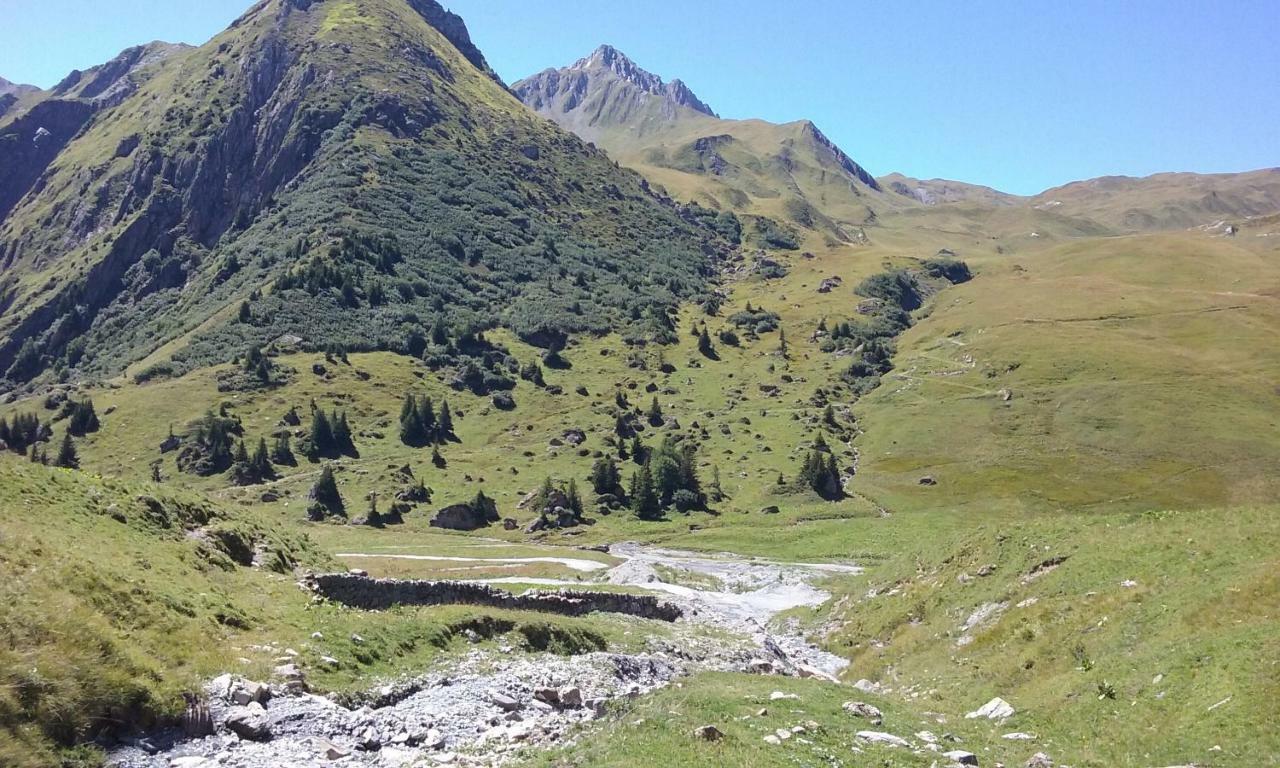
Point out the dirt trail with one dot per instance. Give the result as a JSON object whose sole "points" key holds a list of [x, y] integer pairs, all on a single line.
{"points": [[480, 708]]}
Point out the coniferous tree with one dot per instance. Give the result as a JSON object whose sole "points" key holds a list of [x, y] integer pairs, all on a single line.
{"points": [[342, 440], [427, 414], [83, 419], [437, 459], [444, 422], [67, 456], [783, 350], [325, 497], [638, 451], [261, 462], [374, 518], [575, 499], [321, 434], [282, 452], [604, 476], [655, 412], [644, 498], [411, 431], [715, 493], [704, 344]]}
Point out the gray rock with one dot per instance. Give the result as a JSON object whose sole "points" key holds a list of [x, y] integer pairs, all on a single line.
{"points": [[505, 702], [961, 757], [878, 737], [996, 709], [864, 710], [249, 722], [1039, 760], [571, 698]]}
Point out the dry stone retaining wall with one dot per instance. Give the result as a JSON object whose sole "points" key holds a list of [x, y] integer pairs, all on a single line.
{"points": [[380, 594]]}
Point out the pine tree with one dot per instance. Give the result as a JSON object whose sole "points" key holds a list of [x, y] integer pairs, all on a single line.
{"points": [[411, 431], [321, 434], [704, 343], [829, 416], [437, 459], [542, 499], [282, 452], [427, 415], [715, 491], [83, 419], [241, 456], [342, 441], [604, 476], [67, 456], [324, 496], [444, 422], [575, 499], [644, 498], [261, 462], [638, 451], [655, 412]]}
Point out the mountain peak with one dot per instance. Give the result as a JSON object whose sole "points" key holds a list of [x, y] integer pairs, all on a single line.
{"points": [[606, 58]]}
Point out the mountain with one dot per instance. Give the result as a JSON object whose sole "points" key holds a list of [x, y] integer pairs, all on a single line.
{"points": [[355, 175], [791, 172], [1166, 200], [938, 191], [1121, 204], [12, 93]]}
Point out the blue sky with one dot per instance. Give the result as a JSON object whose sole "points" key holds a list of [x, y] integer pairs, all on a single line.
{"points": [[1017, 94]]}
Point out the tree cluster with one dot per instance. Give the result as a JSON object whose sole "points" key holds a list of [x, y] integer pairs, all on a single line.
{"points": [[667, 478], [421, 425]]}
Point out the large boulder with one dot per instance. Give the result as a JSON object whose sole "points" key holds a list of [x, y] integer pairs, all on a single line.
{"points": [[465, 517], [249, 722]]}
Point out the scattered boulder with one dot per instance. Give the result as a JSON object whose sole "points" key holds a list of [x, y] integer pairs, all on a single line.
{"points": [[864, 710], [996, 709], [1038, 760], [878, 737], [961, 757], [928, 481], [709, 733], [771, 510], [466, 517]]}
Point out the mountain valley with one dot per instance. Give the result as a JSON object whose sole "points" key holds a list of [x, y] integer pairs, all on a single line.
{"points": [[932, 474]]}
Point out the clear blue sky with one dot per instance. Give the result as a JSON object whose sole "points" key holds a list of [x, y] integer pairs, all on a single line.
{"points": [[1017, 94]]}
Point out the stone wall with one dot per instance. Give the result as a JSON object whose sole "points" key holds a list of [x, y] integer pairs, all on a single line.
{"points": [[379, 594]]}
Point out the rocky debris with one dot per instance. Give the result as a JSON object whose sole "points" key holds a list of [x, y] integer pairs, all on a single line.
{"points": [[381, 594], [879, 737], [864, 710], [996, 709], [928, 481], [1038, 760], [829, 284], [504, 702], [246, 692], [961, 757], [1018, 736], [709, 733]]}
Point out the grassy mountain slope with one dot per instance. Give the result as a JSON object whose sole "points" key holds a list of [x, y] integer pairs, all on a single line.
{"points": [[1136, 373], [1122, 204], [789, 172], [357, 174], [117, 597]]}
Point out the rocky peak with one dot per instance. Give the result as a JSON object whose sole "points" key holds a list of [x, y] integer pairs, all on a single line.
{"points": [[610, 59], [837, 154]]}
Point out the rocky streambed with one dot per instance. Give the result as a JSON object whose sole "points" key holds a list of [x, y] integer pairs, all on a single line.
{"points": [[490, 703]]}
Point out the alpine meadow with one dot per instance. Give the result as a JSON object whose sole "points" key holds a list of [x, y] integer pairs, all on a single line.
{"points": [[361, 407]]}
